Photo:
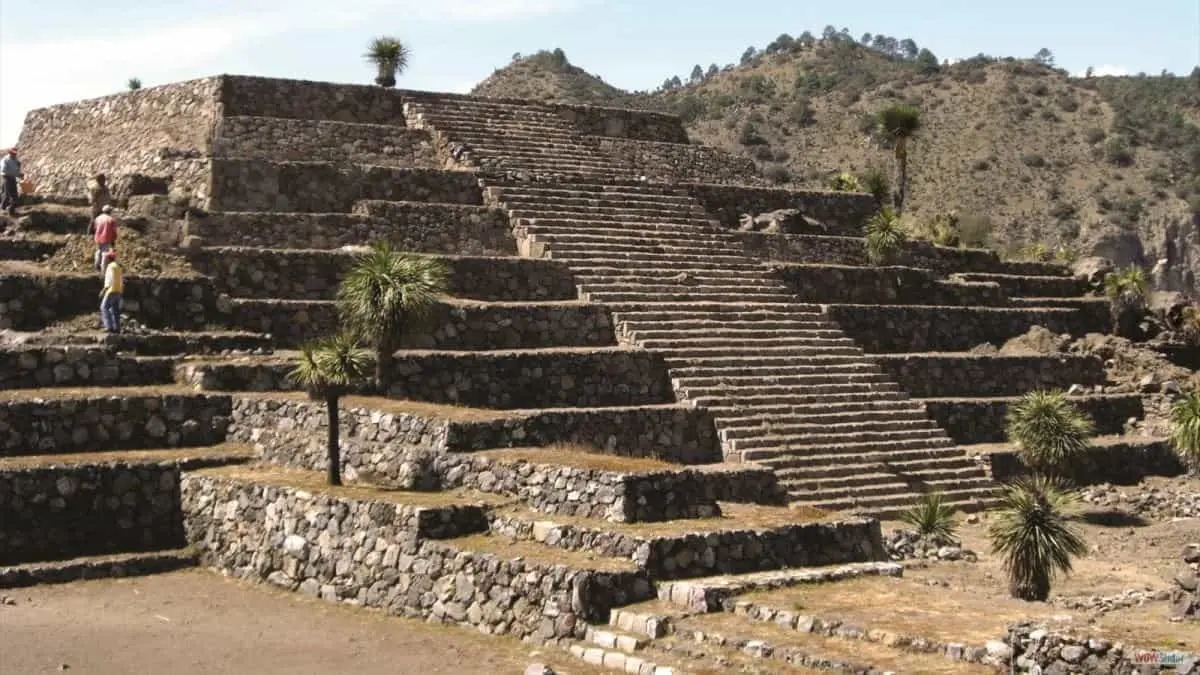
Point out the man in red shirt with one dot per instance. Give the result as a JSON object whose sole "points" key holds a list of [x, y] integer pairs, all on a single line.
{"points": [[104, 230]]}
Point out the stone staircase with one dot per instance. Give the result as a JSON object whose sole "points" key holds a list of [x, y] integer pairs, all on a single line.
{"points": [[510, 138], [786, 387]]}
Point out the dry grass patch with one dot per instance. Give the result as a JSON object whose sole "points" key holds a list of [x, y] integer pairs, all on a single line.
{"points": [[455, 413], [734, 517], [853, 651], [229, 450], [539, 554], [580, 457], [56, 393], [315, 482]]}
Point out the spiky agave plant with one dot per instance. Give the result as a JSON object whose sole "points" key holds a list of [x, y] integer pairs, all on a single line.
{"points": [[390, 57], [1033, 533], [1185, 428], [885, 236], [931, 517], [385, 294], [328, 369], [1050, 432]]}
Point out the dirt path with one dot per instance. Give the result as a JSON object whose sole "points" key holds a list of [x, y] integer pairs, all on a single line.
{"points": [[199, 622]]}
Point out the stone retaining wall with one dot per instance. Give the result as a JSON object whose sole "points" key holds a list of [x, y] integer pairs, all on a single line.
{"points": [[1031, 646], [115, 422], [292, 432], [966, 374], [450, 326], [323, 187], [702, 554], [165, 132], [529, 380], [295, 140], [315, 275], [679, 162], [368, 552], [409, 226], [882, 285], [29, 302], [307, 100], [1123, 463], [27, 249], [842, 213], [981, 420], [910, 328], [64, 512], [38, 367]]}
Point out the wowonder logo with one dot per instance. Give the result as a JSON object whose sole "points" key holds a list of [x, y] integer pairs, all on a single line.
{"points": [[1143, 658]]}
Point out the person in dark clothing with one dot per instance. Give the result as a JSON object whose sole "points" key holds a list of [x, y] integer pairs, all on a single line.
{"points": [[10, 170]]}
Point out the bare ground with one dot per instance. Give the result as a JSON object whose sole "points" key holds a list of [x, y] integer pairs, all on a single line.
{"points": [[199, 622]]}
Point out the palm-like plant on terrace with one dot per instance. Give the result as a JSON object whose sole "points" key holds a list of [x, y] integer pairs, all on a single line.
{"points": [[899, 124], [386, 293], [1034, 535], [329, 369], [1126, 291], [390, 57], [1185, 428], [931, 516], [1050, 432], [885, 236]]}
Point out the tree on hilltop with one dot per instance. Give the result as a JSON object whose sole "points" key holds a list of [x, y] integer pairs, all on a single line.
{"points": [[899, 124], [697, 74], [133, 84], [713, 69], [1045, 57], [390, 57]]}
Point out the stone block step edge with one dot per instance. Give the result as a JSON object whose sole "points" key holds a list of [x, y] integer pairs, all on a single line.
{"points": [[993, 653], [618, 661], [97, 567], [706, 595]]}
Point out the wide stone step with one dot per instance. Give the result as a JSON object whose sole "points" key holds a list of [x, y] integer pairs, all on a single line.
{"points": [[751, 367], [778, 342], [701, 276], [515, 199], [1014, 285], [584, 262], [587, 188], [819, 406], [564, 147], [781, 457], [583, 218], [799, 442], [817, 428], [876, 485], [733, 311], [735, 333], [490, 115], [1094, 306], [548, 166], [667, 230], [811, 350], [836, 464], [981, 496], [782, 385], [833, 417], [618, 212], [703, 291], [535, 156], [483, 135], [119, 565], [448, 122], [849, 474], [738, 404], [612, 236]]}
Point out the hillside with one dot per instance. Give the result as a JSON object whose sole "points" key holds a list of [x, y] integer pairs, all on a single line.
{"points": [[1108, 165]]}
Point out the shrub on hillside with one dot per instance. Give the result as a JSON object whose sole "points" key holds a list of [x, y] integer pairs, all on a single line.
{"points": [[777, 173]]}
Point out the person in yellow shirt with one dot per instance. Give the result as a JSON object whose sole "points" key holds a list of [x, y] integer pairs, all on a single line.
{"points": [[110, 296]]}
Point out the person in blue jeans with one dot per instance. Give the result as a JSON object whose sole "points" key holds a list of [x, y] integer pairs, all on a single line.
{"points": [[110, 295]]}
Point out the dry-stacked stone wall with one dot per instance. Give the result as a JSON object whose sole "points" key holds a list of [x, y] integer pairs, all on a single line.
{"points": [[323, 187], [410, 226], [966, 374], [38, 367], [882, 286], [371, 552], [1126, 462], [308, 100], [32, 302], [94, 509], [982, 420], [277, 139], [111, 422]]}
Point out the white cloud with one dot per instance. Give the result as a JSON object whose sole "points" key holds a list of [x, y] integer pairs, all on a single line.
{"points": [[1105, 70], [42, 73]]}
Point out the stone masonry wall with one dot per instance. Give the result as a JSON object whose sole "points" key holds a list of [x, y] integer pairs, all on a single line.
{"points": [[315, 275], [368, 552], [292, 431], [95, 509], [825, 283], [322, 187], [308, 100], [965, 374], [524, 380], [638, 125], [158, 131], [462, 325], [1121, 463], [37, 367], [412, 226], [679, 162], [30, 302], [842, 213], [295, 140], [116, 422], [907, 328], [981, 420]]}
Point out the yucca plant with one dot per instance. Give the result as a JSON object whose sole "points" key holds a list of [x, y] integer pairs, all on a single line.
{"points": [[329, 369], [931, 517], [1050, 432], [885, 236], [1126, 290], [899, 124], [390, 57], [875, 182], [1185, 428], [845, 182], [1034, 535], [385, 294]]}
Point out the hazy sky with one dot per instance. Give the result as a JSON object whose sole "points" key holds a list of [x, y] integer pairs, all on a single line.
{"points": [[53, 51]]}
